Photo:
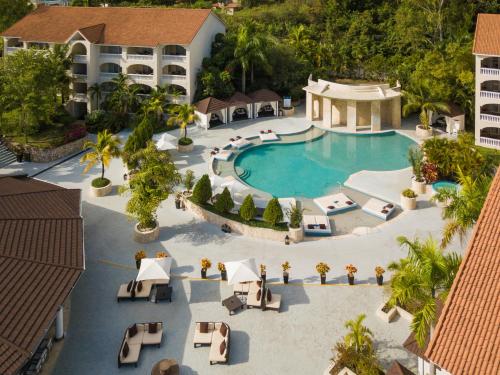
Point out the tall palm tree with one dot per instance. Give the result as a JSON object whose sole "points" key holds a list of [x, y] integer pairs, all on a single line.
{"points": [[102, 151], [359, 336], [182, 115], [61, 61], [463, 205], [156, 104], [96, 93], [419, 279], [124, 96], [418, 100]]}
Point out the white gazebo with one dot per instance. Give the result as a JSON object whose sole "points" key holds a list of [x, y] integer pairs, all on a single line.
{"points": [[264, 99], [210, 112], [353, 104], [239, 102]]}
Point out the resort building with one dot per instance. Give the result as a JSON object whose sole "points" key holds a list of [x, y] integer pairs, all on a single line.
{"points": [[487, 109], [153, 46], [41, 260], [355, 105]]}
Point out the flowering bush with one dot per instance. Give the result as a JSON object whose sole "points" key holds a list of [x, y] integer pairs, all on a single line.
{"points": [[221, 267], [161, 254], [75, 132], [140, 254], [379, 271], [322, 268], [351, 269], [286, 266], [206, 263]]}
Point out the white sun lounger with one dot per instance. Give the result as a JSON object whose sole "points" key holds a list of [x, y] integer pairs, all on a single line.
{"points": [[317, 225], [223, 155], [379, 208], [241, 143], [268, 137], [332, 204]]}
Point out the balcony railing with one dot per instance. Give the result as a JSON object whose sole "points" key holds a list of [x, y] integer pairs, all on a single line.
{"points": [[110, 55], [173, 78], [80, 75], [108, 75], [490, 71], [139, 57], [79, 58], [141, 77], [13, 49], [175, 58], [490, 118], [493, 142], [178, 99], [489, 94]]}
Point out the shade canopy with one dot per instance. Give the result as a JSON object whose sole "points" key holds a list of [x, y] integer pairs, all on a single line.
{"points": [[241, 271], [155, 269], [166, 142]]}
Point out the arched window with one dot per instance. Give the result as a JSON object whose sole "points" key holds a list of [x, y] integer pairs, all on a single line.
{"points": [[493, 86], [140, 69], [491, 63], [491, 109], [174, 70], [176, 90], [78, 49], [174, 50], [110, 68], [140, 51], [142, 89]]}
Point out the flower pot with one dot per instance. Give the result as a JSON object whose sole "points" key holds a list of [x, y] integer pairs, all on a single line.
{"points": [[138, 264], [146, 236], [350, 279], [203, 273], [288, 111], [185, 148], [323, 279], [408, 203], [98, 192], [422, 132], [263, 277], [418, 186], [223, 275], [296, 234], [380, 280], [178, 204], [285, 277]]}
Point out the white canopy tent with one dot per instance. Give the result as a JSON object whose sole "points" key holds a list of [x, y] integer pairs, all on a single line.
{"points": [[241, 271], [166, 142], [155, 269]]}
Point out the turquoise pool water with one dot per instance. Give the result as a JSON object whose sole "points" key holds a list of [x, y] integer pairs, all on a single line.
{"points": [[313, 168], [444, 184]]}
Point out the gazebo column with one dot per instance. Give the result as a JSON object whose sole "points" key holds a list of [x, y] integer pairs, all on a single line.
{"points": [[396, 112], [351, 115], [327, 112], [309, 106], [376, 120], [60, 323]]}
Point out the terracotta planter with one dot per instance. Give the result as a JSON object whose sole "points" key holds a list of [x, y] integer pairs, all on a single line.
{"points": [[323, 279], [418, 187], [285, 277], [422, 132], [296, 234], [380, 280], [223, 275], [185, 148], [102, 191], [288, 111], [147, 236], [350, 279], [408, 203], [203, 273]]}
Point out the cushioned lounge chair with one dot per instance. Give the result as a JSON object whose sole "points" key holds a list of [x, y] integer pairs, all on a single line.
{"points": [[124, 292], [274, 304], [143, 335], [335, 203], [219, 348], [223, 155], [240, 143], [316, 225], [268, 137], [203, 338], [378, 208], [253, 301], [241, 288]]}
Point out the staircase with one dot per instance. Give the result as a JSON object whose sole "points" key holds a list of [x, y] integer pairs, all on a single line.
{"points": [[6, 156], [242, 173]]}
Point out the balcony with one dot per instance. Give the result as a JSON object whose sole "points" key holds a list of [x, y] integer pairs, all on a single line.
{"points": [[489, 142], [175, 58], [80, 97], [490, 72], [139, 57], [107, 76], [173, 79], [489, 94], [141, 77], [13, 49], [489, 118], [79, 76], [113, 56], [80, 59]]}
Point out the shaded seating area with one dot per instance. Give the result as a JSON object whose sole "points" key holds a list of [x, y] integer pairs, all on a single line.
{"points": [[332, 204], [136, 336], [217, 335], [378, 208]]}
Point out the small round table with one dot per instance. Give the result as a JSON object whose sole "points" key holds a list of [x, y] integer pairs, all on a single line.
{"points": [[166, 367]]}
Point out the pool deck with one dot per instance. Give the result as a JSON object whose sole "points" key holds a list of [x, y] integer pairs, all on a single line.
{"points": [[297, 340]]}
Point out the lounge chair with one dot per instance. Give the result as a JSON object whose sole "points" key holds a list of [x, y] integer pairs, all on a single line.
{"points": [[203, 338], [268, 137], [254, 300], [136, 336], [219, 348], [335, 203], [241, 288], [240, 143], [274, 303], [136, 290], [316, 225], [378, 208], [254, 287], [223, 155]]}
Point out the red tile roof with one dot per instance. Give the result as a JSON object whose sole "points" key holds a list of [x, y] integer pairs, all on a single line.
{"points": [[264, 95], [487, 36], [41, 259], [209, 105], [239, 98], [113, 26], [467, 336]]}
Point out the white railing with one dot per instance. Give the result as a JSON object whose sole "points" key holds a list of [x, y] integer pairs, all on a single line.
{"points": [[490, 71], [490, 141], [489, 94], [110, 55], [139, 57], [106, 75], [177, 58], [141, 77], [79, 58], [490, 118], [80, 76], [179, 99], [172, 78], [13, 49]]}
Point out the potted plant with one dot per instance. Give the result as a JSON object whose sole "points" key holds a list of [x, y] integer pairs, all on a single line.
{"points": [[205, 265], [263, 272], [101, 152], [351, 270], [19, 151], [408, 199], [188, 182], [183, 115], [379, 274], [416, 157], [161, 254], [222, 269], [295, 215], [286, 266], [139, 255], [322, 269], [178, 200]]}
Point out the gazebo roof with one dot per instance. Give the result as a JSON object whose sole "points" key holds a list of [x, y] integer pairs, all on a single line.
{"points": [[209, 105], [239, 98], [354, 91], [264, 95]]}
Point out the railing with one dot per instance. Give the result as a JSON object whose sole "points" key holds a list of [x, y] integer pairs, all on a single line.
{"points": [[139, 57], [178, 99], [490, 118], [489, 94], [80, 75], [490, 71], [141, 77], [13, 49], [110, 55], [171, 78], [178, 58], [108, 75], [490, 141], [79, 58], [80, 96]]}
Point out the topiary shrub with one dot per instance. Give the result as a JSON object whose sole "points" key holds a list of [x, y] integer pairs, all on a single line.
{"points": [[185, 141], [273, 213], [188, 180], [202, 190], [247, 209], [100, 182], [224, 202]]}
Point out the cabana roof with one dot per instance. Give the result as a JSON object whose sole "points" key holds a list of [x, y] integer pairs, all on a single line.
{"points": [[264, 95], [239, 98], [209, 105]]}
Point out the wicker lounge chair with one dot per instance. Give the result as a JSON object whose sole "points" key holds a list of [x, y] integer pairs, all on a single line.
{"points": [[137, 336], [217, 335], [274, 303], [203, 338]]}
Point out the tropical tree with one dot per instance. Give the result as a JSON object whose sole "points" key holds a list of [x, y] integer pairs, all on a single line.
{"points": [[123, 97], [419, 279], [359, 336], [182, 115], [418, 100], [96, 94], [101, 152], [156, 104], [61, 61], [463, 205]]}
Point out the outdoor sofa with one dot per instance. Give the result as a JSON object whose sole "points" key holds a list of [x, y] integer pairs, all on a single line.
{"points": [[217, 335], [316, 225], [247, 287], [335, 203], [378, 208], [138, 289], [136, 336]]}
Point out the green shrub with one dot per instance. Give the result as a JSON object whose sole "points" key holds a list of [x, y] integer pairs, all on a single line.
{"points": [[138, 140], [95, 121], [224, 202], [185, 141], [247, 209], [273, 213], [202, 190], [408, 193], [295, 214], [189, 180], [100, 182], [416, 157]]}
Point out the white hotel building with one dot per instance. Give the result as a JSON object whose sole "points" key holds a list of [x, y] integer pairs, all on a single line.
{"points": [[487, 54], [153, 46]]}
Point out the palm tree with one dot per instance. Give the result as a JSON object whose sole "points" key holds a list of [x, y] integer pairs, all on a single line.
{"points": [[464, 205], [61, 62], [102, 151], [96, 93], [418, 100], [359, 336], [182, 115], [156, 104], [124, 96], [419, 279]]}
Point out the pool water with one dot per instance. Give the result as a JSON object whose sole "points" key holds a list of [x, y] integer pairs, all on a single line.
{"points": [[314, 168], [444, 184]]}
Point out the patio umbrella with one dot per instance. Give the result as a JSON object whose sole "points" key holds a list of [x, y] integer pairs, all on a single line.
{"points": [[164, 143], [241, 271], [155, 268]]}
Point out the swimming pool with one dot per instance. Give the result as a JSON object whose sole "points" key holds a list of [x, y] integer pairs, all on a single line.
{"points": [[444, 184], [314, 168]]}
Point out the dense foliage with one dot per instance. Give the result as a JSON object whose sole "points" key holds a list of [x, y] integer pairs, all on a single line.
{"points": [[247, 209], [224, 203], [101, 152], [202, 190], [273, 213]]}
